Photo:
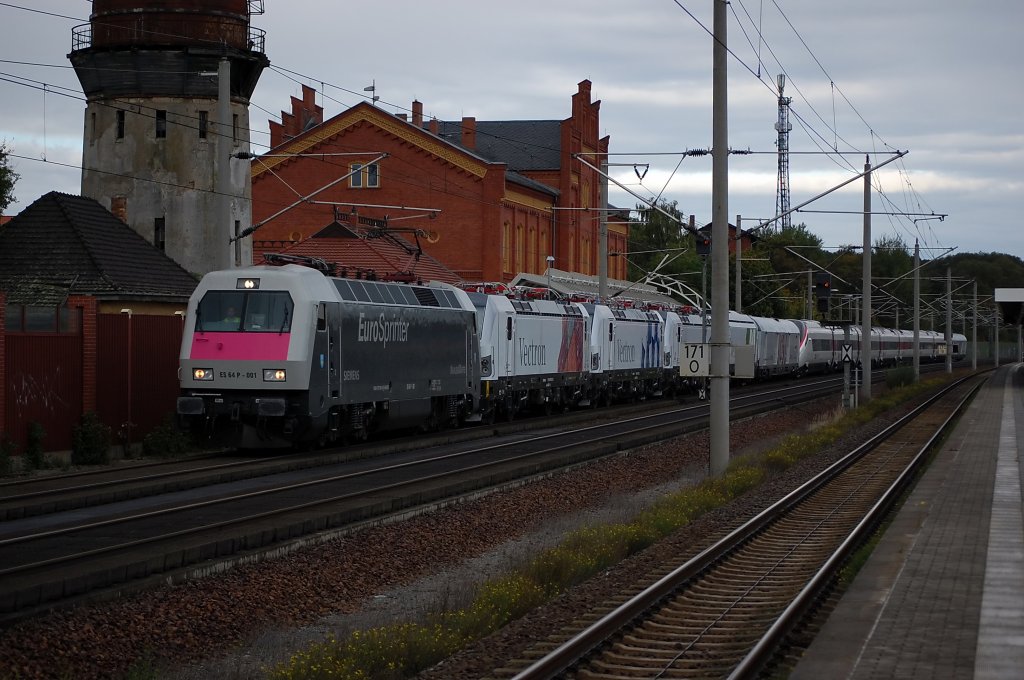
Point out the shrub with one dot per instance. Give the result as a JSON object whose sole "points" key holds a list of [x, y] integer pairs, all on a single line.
{"points": [[34, 459], [166, 441], [7, 448], [90, 441]]}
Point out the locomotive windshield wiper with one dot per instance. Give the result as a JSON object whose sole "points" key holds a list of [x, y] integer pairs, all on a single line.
{"points": [[199, 319], [284, 322]]}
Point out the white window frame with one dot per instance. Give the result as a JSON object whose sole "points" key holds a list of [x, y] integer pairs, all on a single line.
{"points": [[362, 174]]}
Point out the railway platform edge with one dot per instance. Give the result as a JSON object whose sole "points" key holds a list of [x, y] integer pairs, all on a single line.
{"points": [[942, 595]]}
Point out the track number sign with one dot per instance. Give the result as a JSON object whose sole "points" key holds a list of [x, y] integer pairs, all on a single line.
{"points": [[694, 361]]}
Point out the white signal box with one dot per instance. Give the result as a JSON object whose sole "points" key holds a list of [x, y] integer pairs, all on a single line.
{"points": [[743, 366]]}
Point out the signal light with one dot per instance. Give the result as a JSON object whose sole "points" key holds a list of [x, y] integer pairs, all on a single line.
{"points": [[823, 284], [703, 245]]}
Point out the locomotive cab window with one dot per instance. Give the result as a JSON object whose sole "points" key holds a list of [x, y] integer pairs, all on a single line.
{"points": [[239, 311]]}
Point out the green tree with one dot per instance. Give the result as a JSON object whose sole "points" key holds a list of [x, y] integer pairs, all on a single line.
{"points": [[7, 179], [654, 237], [780, 286]]}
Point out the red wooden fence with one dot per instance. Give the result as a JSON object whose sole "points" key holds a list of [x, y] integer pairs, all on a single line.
{"points": [[49, 379], [44, 386], [136, 371]]}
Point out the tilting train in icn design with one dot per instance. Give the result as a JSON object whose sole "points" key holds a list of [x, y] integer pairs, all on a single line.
{"points": [[281, 355]]}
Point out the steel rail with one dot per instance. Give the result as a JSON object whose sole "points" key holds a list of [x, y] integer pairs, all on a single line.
{"points": [[697, 414], [566, 655], [765, 648]]}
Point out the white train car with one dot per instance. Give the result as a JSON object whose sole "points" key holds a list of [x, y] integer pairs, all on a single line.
{"points": [[533, 354], [625, 352], [821, 351], [777, 346]]}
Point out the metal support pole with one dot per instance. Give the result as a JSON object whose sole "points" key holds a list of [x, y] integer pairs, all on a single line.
{"points": [[719, 425], [810, 297], [739, 266], [949, 321], [974, 332], [916, 311], [865, 324], [602, 255], [996, 344], [222, 165], [704, 299], [847, 400]]}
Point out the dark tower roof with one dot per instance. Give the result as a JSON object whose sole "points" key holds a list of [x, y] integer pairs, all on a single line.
{"points": [[159, 48]]}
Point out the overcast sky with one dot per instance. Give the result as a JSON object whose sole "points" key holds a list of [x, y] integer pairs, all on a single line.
{"points": [[938, 78]]}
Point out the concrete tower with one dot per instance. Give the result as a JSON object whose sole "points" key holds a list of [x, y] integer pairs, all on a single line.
{"points": [[168, 84]]}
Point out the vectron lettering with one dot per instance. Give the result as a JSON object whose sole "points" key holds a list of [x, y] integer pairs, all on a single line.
{"points": [[532, 355]]}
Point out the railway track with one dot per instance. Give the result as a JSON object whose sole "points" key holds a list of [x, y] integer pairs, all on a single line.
{"points": [[60, 557], [728, 611]]}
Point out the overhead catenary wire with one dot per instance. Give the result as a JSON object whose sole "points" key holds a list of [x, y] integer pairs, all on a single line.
{"points": [[760, 37]]}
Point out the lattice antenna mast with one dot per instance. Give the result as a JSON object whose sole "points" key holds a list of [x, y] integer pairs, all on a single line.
{"points": [[783, 126]]}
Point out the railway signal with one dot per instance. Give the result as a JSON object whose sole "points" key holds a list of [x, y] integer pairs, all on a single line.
{"points": [[823, 290], [703, 245]]}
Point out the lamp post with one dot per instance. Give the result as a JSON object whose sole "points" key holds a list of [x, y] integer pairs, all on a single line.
{"points": [[128, 424], [551, 261]]}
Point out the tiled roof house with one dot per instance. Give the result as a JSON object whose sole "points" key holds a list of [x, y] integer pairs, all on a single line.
{"points": [[64, 245]]}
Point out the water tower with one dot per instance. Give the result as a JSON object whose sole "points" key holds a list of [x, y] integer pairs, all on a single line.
{"points": [[168, 84]]}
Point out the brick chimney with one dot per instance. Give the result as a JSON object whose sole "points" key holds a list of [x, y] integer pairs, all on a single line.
{"points": [[434, 127], [119, 207], [417, 113], [469, 132]]}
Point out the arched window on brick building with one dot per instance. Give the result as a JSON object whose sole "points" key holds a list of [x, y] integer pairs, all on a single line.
{"points": [[520, 248]]}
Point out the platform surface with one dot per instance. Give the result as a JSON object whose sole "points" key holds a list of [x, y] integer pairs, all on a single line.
{"points": [[942, 595]]}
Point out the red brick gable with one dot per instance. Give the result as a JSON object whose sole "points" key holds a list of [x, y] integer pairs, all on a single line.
{"points": [[504, 195], [306, 113]]}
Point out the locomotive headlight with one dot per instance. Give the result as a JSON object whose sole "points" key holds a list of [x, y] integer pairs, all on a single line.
{"points": [[202, 374], [274, 375]]}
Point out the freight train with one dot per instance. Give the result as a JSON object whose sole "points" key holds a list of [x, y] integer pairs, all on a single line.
{"points": [[282, 355]]}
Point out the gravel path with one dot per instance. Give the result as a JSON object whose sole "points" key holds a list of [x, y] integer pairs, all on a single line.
{"points": [[234, 624]]}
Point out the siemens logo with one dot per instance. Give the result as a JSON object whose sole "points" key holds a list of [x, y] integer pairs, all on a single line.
{"points": [[381, 330], [532, 355]]}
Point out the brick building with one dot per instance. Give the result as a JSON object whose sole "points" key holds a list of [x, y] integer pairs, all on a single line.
{"points": [[499, 196]]}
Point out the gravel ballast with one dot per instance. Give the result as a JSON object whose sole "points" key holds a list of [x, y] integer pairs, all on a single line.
{"points": [[234, 624]]}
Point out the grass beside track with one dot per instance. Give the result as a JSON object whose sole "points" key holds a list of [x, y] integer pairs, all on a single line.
{"points": [[404, 649]]}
